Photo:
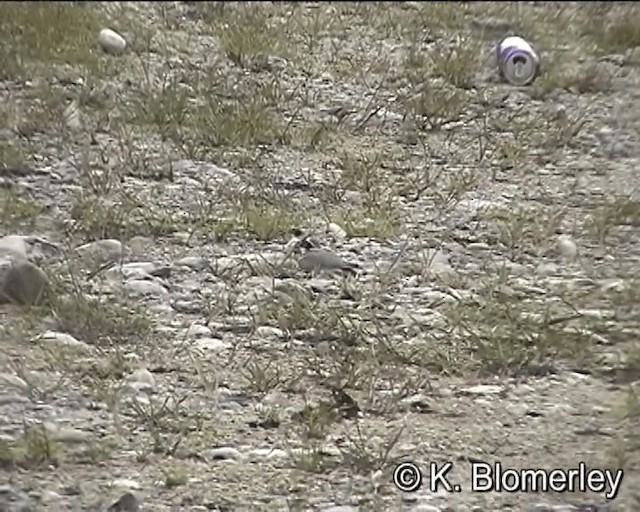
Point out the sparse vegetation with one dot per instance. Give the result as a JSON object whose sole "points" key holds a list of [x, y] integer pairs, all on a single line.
{"points": [[612, 28], [33, 41]]}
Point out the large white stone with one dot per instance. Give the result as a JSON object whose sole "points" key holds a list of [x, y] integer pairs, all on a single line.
{"points": [[111, 41]]}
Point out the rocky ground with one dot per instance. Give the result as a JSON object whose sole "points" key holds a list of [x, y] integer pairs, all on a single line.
{"points": [[160, 347]]}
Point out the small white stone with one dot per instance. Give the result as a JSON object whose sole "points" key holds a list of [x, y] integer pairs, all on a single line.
{"points": [[198, 331], [111, 41], [143, 375], [560, 113], [63, 339], [435, 258], [140, 287], [566, 247], [547, 269], [268, 332], [49, 496], [483, 389], [13, 245], [221, 453], [211, 344], [193, 262], [126, 484], [337, 232], [103, 250]]}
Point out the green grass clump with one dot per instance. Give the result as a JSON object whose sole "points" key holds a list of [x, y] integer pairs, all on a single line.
{"points": [[35, 33]]}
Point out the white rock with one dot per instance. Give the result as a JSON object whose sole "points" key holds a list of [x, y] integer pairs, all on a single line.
{"points": [[111, 41], [198, 331], [145, 267], [163, 310], [211, 344], [560, 113], [600, 340], [268, 332], [49, 496], [193, 262], [103, 250], [181, 237], [138, 392], [126, 484], [436, 263], [143, 375], [63, 339], [13, 245], [221, 453], [133, 274], [337, 231], [433, 258], [547, 269], [483, 389], [566, 247], [322, 285]]}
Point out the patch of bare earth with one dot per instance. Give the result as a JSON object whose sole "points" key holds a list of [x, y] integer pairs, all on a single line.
{"points": [[189, 361]]}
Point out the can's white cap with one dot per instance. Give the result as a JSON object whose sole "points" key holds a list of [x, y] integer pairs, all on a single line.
{"points": [[517, 42]]}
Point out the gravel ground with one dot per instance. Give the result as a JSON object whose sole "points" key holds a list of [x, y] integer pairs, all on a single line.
{"points": [[162, 349]]}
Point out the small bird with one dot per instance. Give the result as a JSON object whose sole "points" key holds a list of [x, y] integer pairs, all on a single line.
{"points": [[316, 259]]}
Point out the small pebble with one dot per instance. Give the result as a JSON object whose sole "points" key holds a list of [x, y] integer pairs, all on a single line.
{"points": [[13, 245], [102, 251], [211, 344], [126, 483], [337, 231], [567, 247], [140, 287], [144, 376], [198, 331], [62, 339], [483, 389], [221, 453]]}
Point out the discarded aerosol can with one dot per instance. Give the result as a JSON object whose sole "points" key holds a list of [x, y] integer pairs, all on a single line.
{"points": [[517, 62]]}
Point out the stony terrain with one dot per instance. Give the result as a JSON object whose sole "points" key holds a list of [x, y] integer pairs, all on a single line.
{"points": [[160, 347]]}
